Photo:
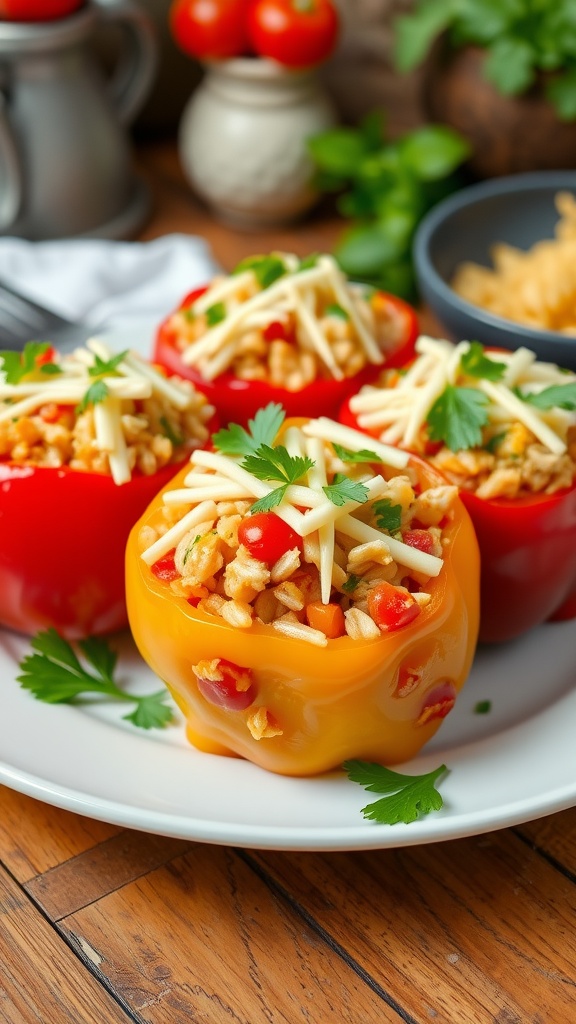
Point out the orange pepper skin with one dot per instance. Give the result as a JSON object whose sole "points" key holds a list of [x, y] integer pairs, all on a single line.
{"points": [[379, 699]]}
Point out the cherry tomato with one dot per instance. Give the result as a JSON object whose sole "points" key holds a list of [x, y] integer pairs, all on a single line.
{"points": [[420, 539], [165, 567], [391, 608], [267, 537], [235, 691], [37, 10], [212, 29], [296, 33]]}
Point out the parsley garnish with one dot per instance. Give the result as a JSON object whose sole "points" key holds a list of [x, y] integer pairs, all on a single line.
{"points": [[494, 442], [457, 417], [407, 797], [55, 675], [234, 440], [388, 516], [335, 310], [483, 707], [106, 367], [308, 262], [215, 314], [170, 433], [558, 396], [342, 489], [351, 583], [364, 455], [16, 365], [267, 269], [475, 363], [275, 464], [97, 392]]}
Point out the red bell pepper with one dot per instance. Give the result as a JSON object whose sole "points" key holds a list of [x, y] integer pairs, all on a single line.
{"points": [[527, 555], [237, 400], [62, 540]]}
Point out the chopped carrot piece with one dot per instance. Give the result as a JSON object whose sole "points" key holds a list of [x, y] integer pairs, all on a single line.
{"points": [[328, 618]]}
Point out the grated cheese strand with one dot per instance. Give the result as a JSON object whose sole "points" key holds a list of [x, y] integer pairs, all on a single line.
{"points": [[525, 414], [338, 282], [318, 479], [205, 511], [328, 512], [411, 557], [355, 441]]}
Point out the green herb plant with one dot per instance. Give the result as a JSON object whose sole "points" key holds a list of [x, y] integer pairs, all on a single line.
{"points": [[522, 38], [385, 187], [403, 798]]}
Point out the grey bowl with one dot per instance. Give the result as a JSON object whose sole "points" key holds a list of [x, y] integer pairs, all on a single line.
{"points": [[518, 210]]}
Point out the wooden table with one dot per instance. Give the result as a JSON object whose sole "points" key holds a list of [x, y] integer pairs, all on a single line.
{"points": [[99, 924]]}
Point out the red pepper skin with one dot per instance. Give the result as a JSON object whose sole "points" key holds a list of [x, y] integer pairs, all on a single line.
{"points": [[238, 400], [528, 560], [527, 557], [62, 540]]}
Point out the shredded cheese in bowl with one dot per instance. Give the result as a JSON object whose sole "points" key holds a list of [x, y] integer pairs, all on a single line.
{"points": [[283, 321], [96, 411], [356, 522], [499, 424]]}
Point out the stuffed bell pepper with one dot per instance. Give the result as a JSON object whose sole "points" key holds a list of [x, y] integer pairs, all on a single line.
{"points": [[285, 330], [85, 442], [305, 597], [502, 427]]}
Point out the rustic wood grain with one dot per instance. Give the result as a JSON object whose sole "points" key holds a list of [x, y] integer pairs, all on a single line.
{"points": [[41, 980], [35, 837], [462, 932], [555, 837], [97, 872], [204, 940]]}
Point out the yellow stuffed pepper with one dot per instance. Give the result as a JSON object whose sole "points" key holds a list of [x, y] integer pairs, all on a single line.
{"points": [[306, 599]]}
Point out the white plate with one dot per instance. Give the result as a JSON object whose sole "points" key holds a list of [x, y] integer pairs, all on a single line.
{"points": [[516, 763]]}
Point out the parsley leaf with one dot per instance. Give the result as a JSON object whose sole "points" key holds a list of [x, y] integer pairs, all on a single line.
{"points": [[560, 396], [97, 392], [475, 363], [215, 314], [364, 455], [494, 442], [388, 516], [407, 797], [335, 310], [54, 674], [267, 269], [483, 707], [234, 440], [351, 583], [170, 433], [457, 417], [16, 365], [308, 262], [275, 464], [106, 367], [342, 489]]}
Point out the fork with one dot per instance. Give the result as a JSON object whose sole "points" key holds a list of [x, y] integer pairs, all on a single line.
{"points": [[22, 320]]}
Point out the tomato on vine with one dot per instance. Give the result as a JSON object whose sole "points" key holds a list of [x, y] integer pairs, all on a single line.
{"points": [[296, 33]]}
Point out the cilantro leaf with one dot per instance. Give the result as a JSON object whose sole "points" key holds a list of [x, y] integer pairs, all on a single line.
{"points": [[457, 417], [475, 363], [364, 455], [483, 707], [560, 396], [342, 489], [234, 440], [267, 269], [269, 501], [54, 674], [106, 367], [407, 797], [170, 433], [335, 310], [16, 365], [388, 516], [494, 442], [308, 262], [50, 369], [351, 583], [97, 392], [277, 464], [215, 314]]}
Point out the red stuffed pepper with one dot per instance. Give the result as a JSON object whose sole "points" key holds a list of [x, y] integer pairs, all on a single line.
{"points": [[284, 330], [85, 443], [305, 600], [501, 426]]}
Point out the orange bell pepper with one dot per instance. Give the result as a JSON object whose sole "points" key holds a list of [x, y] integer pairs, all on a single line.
{"points": [[380, 699]]}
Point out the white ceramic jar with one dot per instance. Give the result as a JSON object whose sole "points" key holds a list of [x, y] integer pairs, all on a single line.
{"points": [[243, 140]]}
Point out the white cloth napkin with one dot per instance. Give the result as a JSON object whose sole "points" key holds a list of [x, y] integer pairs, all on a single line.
{"points": [[105, 283]]}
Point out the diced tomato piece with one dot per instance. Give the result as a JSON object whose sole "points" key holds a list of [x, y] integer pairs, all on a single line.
{"points": [[420, 539], [267, 537], [234, 691], [391, 608], [278, 331], [165, 568]]}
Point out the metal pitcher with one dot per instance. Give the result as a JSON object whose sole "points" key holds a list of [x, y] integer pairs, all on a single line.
{"points": [[65, 165]]}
